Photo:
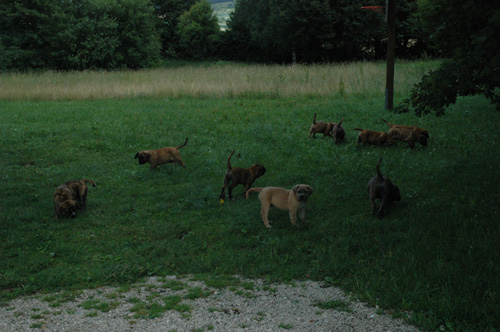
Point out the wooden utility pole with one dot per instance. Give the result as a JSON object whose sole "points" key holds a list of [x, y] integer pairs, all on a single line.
{"points": [[391, 53]]}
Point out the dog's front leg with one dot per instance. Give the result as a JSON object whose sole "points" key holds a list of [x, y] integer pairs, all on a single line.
{"points": [[381, 207], [293, 216], [302, 214]]}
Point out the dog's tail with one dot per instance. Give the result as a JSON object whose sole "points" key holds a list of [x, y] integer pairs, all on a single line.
{"points": [[89, 182], [229, 160], [338, 124], [183, 145], [389, 124], [252, 190], [314, 120], [378, 170], [359, 129]]}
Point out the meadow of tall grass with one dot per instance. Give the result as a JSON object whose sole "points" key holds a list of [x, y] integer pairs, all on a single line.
{"points": [[212, 81], [433, 260]]}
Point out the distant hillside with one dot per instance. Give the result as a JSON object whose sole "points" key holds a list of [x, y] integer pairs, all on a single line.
{"points": [[222, 9]]}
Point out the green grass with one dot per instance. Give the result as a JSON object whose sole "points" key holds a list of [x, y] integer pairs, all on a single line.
{"points": [[436, 255]]}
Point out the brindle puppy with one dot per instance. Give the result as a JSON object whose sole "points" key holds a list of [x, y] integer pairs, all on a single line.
{"points": [[292, 201], [238, 175], [408, 134], [71, 197], [161, 156], [320, 127], [338, 132], [380, 187], [378, 138]]}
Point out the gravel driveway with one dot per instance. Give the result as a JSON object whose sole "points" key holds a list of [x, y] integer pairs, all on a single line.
{"points": [[184, 304]]}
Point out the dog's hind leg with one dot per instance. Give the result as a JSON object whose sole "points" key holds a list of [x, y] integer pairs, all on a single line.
{"points": [[264, 211]]}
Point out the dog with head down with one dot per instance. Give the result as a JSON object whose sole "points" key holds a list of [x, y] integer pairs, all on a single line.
{"points": [[292, 201], [320, 127], [161, 156], [238, 175], [380, 187], [378, 138], [408, 134], [71, 197], [338, 132]]}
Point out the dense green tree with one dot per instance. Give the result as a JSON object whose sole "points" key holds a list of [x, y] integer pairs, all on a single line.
{"points": [[168, 13], [197, 30], [77, 34], [466, 32], [314, 30]]}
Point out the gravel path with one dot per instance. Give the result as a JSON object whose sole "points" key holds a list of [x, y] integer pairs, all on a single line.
{"points": [[184, 304]]}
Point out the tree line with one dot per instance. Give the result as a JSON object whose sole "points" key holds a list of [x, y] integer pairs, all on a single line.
{"points": [[112, 34]]}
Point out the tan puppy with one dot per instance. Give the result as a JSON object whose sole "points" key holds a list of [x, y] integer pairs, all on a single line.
{"points": [[380, 187], [320, 127], [161, 156], [71, 197], [408, 134], [338, 132], [288, 200], [378, 138], [238, 175]]}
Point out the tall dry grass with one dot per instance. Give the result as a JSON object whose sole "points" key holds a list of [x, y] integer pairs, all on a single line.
{"points": [[216, 80]]}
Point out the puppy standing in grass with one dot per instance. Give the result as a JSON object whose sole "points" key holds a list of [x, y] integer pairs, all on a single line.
{"points": [[321, 127], [408, 134], [71, 197], [377, 138], [238, 175], [380, 187], [292, 200], [161, 156], [338, 132]]}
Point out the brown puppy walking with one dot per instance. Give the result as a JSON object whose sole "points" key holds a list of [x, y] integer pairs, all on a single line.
{"points": [[292, 201], [380, 187], [161, 156], [238, 175], [71, 197], [378, 138], [408, 134], [320, 127]]}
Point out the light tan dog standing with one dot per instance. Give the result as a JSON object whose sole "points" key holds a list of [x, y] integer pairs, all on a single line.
{"points": [[238, 175], [377, 138], [292, 201], [408, 134], [161, 156], [71, 197], [320, 127]]}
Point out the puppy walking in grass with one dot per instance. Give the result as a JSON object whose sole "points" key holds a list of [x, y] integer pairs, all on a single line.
{"points": [[408, 134], [292, 201], [161, 156], [380, 187], [238, 175], [71, 197], [320, 127], [338, 132]]}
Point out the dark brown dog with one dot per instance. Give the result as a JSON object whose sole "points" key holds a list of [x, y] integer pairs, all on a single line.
{"points": [[378, 138], [238, 175], [320, 127], [292, 201], [338, 132], [71, 197], [161, 156], [380, 187], [408, 134]]}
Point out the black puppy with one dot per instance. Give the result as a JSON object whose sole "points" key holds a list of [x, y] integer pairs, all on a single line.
{"points": [[382, 188]]}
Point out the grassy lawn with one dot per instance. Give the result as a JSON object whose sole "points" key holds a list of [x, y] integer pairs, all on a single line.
{"points": [[434, 258]]}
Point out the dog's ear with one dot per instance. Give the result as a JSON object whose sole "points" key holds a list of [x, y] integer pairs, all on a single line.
{"points": [[136, 155], [309, 189]]}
